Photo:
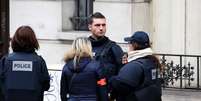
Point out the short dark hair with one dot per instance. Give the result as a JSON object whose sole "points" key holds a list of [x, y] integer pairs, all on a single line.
{"points": [[24, 40], [96, 15]]}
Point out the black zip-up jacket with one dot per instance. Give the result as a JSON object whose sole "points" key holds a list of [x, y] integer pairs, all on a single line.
{"points": [[112, 57]]}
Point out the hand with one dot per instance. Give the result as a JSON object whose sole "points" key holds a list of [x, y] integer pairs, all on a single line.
{"points": [[125, 58]]}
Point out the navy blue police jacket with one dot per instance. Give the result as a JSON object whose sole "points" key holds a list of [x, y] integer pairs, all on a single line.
{"points": [[25, 77], [137, 81], [80, 84], [110, 58]]}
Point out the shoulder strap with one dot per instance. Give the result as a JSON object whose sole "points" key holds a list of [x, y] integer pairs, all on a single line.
{"points": [[106, 48], [71, 80]]}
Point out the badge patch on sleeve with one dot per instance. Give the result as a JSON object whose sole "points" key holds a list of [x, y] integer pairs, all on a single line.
{"points": [[153, 74], [22, 66]]}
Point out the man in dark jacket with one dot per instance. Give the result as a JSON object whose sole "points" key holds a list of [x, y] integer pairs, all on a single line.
{"points": [[104, 50]]}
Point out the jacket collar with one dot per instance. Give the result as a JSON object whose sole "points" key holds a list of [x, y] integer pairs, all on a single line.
{"points": [[99, 42]]}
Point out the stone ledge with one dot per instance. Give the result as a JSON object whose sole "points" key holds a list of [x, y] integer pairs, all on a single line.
{"points": [[71, 35]]}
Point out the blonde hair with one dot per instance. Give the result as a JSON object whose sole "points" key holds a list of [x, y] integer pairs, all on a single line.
{"points": [[81, 47]]}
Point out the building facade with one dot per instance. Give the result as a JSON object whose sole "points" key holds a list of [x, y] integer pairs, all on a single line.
{"points": [[173, 25]]}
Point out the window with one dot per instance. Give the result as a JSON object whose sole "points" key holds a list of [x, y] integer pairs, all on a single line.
{"points": [[83, 9]]}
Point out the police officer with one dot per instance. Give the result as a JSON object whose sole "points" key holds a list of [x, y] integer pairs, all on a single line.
{"points": [[102, 46], [24, 73], [138, 80], [105, 50]]}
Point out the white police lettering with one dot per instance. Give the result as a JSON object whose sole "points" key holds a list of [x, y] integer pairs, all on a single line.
{"points": [[22, 66], [153, 74]]}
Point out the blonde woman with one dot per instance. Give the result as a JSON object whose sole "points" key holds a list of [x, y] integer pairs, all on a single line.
{"points": [[80, 73]]}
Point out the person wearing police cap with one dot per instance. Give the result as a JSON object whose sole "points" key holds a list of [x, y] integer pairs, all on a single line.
{"points": [[138, 80]]}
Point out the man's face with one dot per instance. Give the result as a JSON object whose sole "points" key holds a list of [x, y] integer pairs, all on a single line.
{"points": [[98, 27]]}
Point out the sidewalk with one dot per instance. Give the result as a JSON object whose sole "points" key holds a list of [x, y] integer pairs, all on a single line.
{"points": [[181, 95]]}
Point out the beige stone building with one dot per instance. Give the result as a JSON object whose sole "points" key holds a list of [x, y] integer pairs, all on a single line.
{"points": [[173, 25]]}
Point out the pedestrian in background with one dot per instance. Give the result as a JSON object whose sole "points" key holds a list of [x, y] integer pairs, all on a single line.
{"points": [[138, 80], [81, 74], [24, 73], [104, 50]]}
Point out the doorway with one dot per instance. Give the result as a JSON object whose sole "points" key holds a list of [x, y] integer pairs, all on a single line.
{"points": [[4, 29]]}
